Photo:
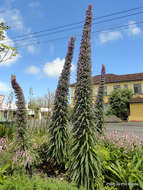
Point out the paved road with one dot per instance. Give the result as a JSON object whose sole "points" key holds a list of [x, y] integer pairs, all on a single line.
{"points": [[133, 127]]}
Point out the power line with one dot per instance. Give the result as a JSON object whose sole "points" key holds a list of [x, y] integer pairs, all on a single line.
{"points": [[121, 27], [6, 10], [76, 27], [76, 23]]}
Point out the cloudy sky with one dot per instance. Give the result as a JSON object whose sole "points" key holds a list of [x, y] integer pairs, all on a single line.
{"points": [[36, 29]]}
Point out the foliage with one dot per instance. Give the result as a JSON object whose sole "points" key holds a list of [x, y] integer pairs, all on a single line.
{"points": [[7, 130], [21, 114], [2, 173], [44, 101], [6, 51], [121, 168], [108, 188], [119, 103], [24, 154], [3, 143], [99, 104], [128, 141], [23, 182], [84, 166], [58, 144]]}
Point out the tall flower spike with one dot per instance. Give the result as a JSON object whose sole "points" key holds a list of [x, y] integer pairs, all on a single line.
{"points": [[21, 116], [99, 103], [84, 166], [58, 144]]}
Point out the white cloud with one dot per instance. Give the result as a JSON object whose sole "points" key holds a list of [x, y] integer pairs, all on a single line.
{"points": [[31, 48], [5, 56], [133, 29], [26, 43], [33, 70], [51, 49], [13, 18], [54, 68], [34, 4], [2, 20], [4, 87], [109, 36]]}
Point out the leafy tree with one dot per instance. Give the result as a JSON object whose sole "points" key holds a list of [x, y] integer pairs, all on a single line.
{"points": [[46, 101], [9, 101], [6, 51], [84, 166], [99, 103], [58, 144], [119, 103]]}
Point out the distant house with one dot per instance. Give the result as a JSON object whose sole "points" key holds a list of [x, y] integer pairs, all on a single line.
{"points": [[8, 112], [133, 82]]}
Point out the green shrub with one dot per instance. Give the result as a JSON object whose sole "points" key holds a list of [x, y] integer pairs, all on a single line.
{"points": [[23, 182], [2, 173], [7, 130], [119, 103], [121, 169]]}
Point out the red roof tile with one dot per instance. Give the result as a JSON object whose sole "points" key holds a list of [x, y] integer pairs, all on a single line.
{"points": [[112, 78], [136, 100]]}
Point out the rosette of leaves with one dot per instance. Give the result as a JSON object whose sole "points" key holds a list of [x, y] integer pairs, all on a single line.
{"points": [[58, 144], [99, 103], [84, 166]]}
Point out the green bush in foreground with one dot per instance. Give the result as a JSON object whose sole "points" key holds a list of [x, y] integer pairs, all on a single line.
{"points": [[7, 130], [23, 182]]}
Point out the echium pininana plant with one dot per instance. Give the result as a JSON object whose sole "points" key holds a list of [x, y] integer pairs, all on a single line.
{"points": [[85, 166], [23, 156], [58, 143], [21, 114], [99, 103]]}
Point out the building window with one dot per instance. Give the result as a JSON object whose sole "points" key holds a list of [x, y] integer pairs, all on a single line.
{"points": [[116, 87], [105, 107], [125, 86], [137, 89], [105, 90]]}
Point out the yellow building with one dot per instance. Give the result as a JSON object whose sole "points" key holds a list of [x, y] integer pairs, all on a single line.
{"points": [[133, 82], [136, 109]]}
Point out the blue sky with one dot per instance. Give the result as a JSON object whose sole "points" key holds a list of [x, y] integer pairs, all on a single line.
{"points": [[39, 65]]}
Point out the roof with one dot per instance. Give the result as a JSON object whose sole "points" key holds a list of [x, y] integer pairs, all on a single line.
{"points": [[136, 100], [113, 78]]}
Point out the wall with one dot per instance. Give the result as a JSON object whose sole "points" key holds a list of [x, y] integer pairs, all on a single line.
{"points": [[109, 90], [136, 112]]}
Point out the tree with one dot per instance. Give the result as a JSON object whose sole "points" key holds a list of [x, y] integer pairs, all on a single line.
{"points": [[58, 144], [6, 50], [99, 103], [84, 166], [30, 97], [119, 103], [9, 103], [45, 101]]}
